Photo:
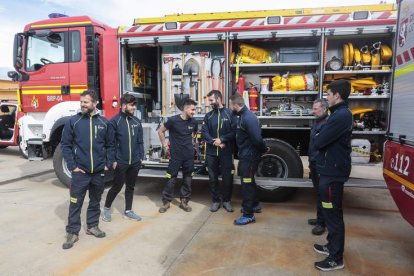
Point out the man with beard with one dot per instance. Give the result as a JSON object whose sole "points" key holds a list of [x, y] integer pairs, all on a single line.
{"points": [[182, 129], [219, 132], [129, 145], [333, 163], [88, 152], [320, 111], [251, 147]]}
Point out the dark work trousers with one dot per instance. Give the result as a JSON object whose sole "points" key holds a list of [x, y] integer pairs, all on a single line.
{"points": [[315, 181], [127, 174], [174, 166], [82, 182], [331, 192], [220, 164], [247, 171]]}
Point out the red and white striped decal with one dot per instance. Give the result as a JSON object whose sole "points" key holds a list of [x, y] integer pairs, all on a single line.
{"points": [[238, 23], [383, 15], [405, 57], [143, 28]]}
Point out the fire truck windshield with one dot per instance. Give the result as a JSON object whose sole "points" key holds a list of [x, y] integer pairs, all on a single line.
{"points": [[42, 50]]}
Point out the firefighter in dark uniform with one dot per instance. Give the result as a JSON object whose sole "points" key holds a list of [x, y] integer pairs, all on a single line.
{"points": [[333, 163], [251, 147], [129, 145], [320, 111], [88, 152], [182, 130], [219, 132]]}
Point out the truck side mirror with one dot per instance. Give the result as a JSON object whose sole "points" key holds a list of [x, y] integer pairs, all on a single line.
{"points": [[17, 51], [13, 75]]}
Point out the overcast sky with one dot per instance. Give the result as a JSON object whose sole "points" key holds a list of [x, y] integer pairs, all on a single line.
{"points": [[15, 14]]}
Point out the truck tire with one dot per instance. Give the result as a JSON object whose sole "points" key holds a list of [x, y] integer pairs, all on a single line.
{"points": [[22, 147], [282, 161], [61, 170]]}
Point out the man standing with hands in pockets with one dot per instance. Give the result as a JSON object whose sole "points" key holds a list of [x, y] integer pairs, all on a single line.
{"points": [[129, 144], [88, 152]]}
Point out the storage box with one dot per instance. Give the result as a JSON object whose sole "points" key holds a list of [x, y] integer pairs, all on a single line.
{"points": [[361, 151], [298, 54]]}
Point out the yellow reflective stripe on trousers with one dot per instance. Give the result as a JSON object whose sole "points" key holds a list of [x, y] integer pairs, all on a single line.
{"points": [[167, 175], [91, 135], [247, 180], [129, 140], [327, 205], [74, 200]]}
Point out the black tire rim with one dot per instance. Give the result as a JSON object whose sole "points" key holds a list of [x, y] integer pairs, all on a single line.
{"points": [[272, 166]]}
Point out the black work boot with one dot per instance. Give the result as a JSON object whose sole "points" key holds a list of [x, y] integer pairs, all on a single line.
{"points": [[318, 230], [215, 206], [71, 238], [165, 206], [184, 205], [227, 206], [95, 231], [328, 265], [321, 249]]}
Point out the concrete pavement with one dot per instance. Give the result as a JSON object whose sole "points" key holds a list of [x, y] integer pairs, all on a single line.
{"points": [[14, 166], [34, 211]]}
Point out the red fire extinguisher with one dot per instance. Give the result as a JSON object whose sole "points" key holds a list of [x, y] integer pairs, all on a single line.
{"points": [[240, 85], [253, 97]]}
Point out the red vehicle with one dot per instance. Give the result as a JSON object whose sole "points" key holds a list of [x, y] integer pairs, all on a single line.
{"points": [[399, 149], [164, 60], [9, 127]]}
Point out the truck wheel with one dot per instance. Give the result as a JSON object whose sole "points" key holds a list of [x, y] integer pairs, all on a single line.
{"points": [[62, 172], [22, 147], [281, 161], [59, 165]]}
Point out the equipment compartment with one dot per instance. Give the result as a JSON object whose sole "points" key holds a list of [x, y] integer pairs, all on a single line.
{"points": [[285, 85], [162, 76]]}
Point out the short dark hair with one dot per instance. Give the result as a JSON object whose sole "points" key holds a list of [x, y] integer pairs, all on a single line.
{"points": [[237, 99], [342, 87], [128, 98], [188, 102], [215, 93], [91, 93]]}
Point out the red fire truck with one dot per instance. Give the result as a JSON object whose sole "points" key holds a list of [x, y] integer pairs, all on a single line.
{"points": [[284, 58], [399, 149]]}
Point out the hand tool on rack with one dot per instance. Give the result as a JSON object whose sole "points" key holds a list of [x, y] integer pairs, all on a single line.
{"points": [[221, 76], [168, 84], [203, 56], [215, 71], [192, 69]]}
